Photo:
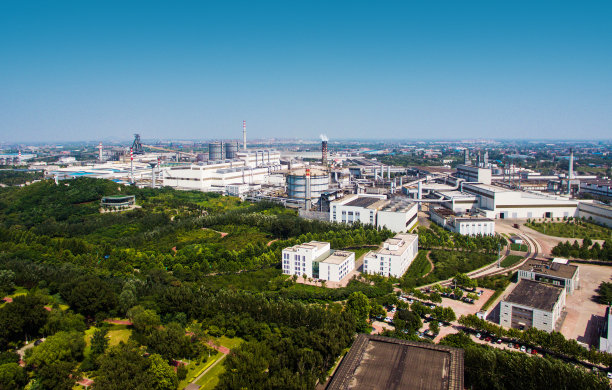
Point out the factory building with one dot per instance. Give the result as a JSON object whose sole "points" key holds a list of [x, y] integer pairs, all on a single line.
{"points": [[395, 256], [397, 214], [597, 188], [533, 304], [307, 183], [316, 259], [605, 338], [597, 212], [251, 167], [474, 174], [503, 203], [557, 272], [465, 225], [457, 201]]}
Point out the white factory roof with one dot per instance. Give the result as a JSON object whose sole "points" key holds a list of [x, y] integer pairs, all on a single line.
{"points": [[489, 187]]}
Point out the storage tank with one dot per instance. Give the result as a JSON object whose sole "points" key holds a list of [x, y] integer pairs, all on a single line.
{"points": [[231, 148], [296, 184], [215, 151]]}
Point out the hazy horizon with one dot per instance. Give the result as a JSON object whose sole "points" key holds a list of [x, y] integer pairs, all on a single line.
{"points": [[74, 71]]}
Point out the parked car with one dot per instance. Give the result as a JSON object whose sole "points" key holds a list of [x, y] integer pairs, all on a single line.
{"points": [[440, 324], [499, 341], [38, 342], [517, 346], [534, 352], [488, 339], [523, 349], [529, 351], [610, 375], [479, 292], [478, 335], [510, 345]]}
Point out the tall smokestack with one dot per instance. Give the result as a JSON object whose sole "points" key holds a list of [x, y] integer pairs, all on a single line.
{"points": [[100, 147], [324, 140], [324, 153], [132, 165], [570, 174], [244, 135], [308, 194]]}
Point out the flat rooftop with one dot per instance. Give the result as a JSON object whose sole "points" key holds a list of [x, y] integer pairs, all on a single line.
{"points": [[541, 296], [545, 267], [443, 212], [376, 362], [337, 257], [363, 202], [487, 187], [398, 205], [309, 245], [403, 240]]}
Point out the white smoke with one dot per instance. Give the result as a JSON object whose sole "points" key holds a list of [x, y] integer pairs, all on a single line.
{"points": [[323, 137]]}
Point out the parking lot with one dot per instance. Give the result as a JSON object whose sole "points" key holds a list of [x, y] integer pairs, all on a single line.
{"points": [[585, 316]]}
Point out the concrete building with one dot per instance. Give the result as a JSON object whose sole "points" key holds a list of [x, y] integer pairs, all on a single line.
{"points": [[317, 260], [556, 272], [532, 304], [597, 212], [376, 362], [335, 267], [596, 188], [397, 214], [465, 225], [395, 256], [499, 202], [471, 173], [459, 202], [605, 338]]}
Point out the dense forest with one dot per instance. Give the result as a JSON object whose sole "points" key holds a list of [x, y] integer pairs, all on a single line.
{"points": [[143, 298]]}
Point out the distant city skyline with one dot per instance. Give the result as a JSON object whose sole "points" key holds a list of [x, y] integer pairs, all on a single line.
{"points": [[82, 71]]}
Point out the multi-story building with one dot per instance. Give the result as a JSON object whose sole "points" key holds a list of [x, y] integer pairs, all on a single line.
{"points": [[472, 173], [317, 260], [533, 304], [465, 225], [395, 256], [556, 272], [397, 214]]}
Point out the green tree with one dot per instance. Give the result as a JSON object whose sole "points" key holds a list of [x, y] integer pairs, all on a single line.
{"points": [[358, 305], [99, 341], [163, 375], [62, 346], [12, 377], [58, 375], [64, 320], [434, 328], [90, 296], [124, 367], [7, 281]]}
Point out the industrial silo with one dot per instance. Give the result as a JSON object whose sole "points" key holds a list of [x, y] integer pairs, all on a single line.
{"points": [[297, 183], [215, 151], [231, 148]]}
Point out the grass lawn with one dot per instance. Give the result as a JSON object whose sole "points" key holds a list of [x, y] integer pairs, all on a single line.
{"points": [[519, 247], [195, 368], [572, 230], [211, 379], [116, 334], [227, 342], [510, 260]]}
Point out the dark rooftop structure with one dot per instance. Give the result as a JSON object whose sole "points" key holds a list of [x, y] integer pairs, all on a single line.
{"points": [[363, 202], [546, 267], [538, 295], [376, 362]]}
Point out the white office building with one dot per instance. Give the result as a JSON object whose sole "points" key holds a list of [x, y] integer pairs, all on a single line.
{"points": [[471, 173], [395, 256], [317, 260], [397, 214], [605, 338], [337, 266]]}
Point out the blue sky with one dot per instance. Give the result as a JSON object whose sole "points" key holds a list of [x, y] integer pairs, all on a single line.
{"points": [[89, 70]]}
